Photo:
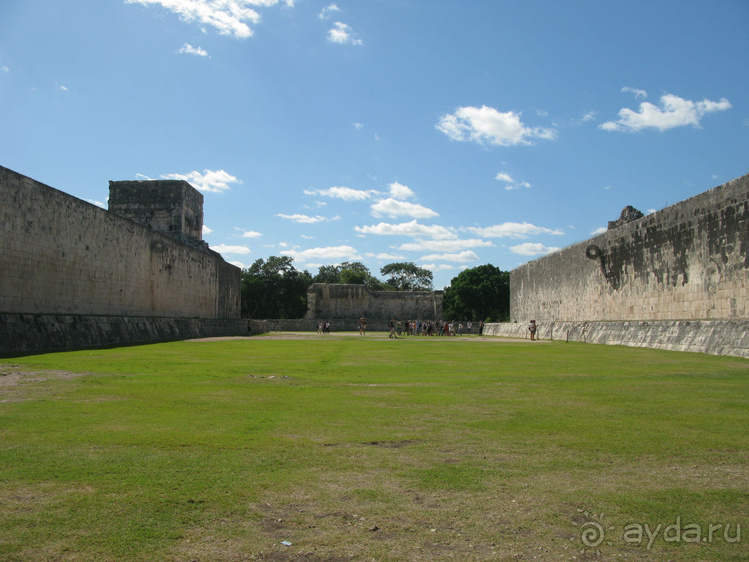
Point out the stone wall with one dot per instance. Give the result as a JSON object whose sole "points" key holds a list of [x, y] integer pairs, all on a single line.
{"points": [[68, 264], [334, 302], [716, 337], [22, 334], [689, 261], [61, 255]]}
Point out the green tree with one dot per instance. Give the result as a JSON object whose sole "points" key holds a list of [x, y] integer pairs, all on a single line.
{"points": [[274, 289], [406, 276], [479, 293], [349, 273]]}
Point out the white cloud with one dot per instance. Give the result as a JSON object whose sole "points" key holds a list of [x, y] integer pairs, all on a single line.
{"points": [[511, 230], [532, 249], [342, 34], [335, 253], [327, 10], [455, 245], [524, 184], [4, 69], [400, 191], [590, 116], [412, 229], [251, 234], [188, 49], [439, 267], [639, 94], [486, 124], [207, 231], [225, 249], [229, 17], [673, 112], [502, 176], [306, 219], [385, 256], [210, 181], [462, 257], [64, 88], [394, 208], [598, 231], [345, 193], [358, 126], [97, 203]]}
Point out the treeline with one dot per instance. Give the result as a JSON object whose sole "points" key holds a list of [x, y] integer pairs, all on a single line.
{"points": [[274, 288]]}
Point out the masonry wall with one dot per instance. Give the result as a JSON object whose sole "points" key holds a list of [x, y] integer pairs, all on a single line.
{"points": [[331, 302], [689, 261], [61, 255]]}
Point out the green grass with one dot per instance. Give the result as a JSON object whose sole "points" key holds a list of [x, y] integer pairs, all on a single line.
{"points": [[368, 448]]}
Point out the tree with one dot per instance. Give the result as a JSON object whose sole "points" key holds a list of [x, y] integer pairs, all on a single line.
{"points": [[274, 289], [348, 273], [406, 276], [479, 293]]}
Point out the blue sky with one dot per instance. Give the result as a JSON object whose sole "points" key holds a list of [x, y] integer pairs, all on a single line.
{"points": [[447, 133]]}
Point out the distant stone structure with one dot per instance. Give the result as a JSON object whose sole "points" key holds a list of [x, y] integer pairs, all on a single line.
{"points": [[350, 302], [684, 268], [76, 275], [629, 214]]}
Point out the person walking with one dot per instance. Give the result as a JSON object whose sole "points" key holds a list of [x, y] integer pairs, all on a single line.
{"points": [[391, 325]]}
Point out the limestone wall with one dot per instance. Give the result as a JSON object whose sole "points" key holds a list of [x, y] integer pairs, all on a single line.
{"points": [[716, 337], [331, 302], [61, 255], [689, 261]]}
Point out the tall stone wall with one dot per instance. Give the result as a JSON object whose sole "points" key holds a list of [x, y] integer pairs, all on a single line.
{"points": [[689, 261], [330, 302], [61, 255]]}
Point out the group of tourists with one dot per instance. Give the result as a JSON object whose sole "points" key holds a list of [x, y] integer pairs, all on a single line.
{"points": [[433, 328]]}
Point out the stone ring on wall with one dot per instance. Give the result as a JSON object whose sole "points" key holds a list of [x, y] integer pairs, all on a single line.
{"points": [[593, 252]]}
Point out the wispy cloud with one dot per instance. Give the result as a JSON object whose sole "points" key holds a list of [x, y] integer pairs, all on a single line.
{"points": [[487, 125], [344, 193], [511, 230], [251, 234], [229, 17], [461, 257], [342, 34], [327, 11], [334, 253], [532, 249], [235, 250], [673, 112], [306, 219], [210, 181], [639, 94], [412, 229], [394, 208], [511, 183], [453, 245], [400, 191], [188, 49]]}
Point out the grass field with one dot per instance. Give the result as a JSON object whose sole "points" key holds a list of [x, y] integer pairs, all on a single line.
{"points": [[346, 447]]}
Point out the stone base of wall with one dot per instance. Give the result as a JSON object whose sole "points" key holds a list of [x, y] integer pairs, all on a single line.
{"points": [[716, 337], [310, 325], [24, 334]]}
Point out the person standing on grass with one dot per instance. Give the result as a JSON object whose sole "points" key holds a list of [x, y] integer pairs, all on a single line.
{"points": [[362, 326], [532, 330], [391, 325]]}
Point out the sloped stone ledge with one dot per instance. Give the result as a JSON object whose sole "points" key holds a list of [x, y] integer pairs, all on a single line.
{"points": [[25, 334], [715, 337]]}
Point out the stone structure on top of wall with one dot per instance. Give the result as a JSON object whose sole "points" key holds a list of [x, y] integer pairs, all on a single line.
{"points": [[340, 302], [65, 258], [686, 263]]}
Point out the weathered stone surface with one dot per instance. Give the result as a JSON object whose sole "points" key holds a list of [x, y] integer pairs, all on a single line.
{"points": [[329, 302], [689, 261], [63, 256], [629, 214], [716, 337]]}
